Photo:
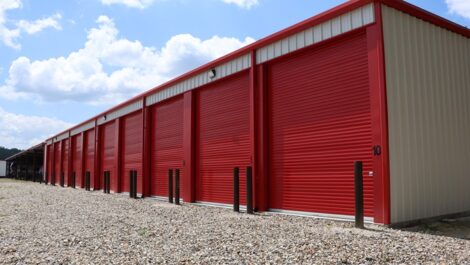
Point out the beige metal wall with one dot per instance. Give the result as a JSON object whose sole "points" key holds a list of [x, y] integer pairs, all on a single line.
{"points": [[428, 90]]}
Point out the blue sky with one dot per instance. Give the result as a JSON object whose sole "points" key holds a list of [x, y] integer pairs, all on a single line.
{"points": [[62, 62]]}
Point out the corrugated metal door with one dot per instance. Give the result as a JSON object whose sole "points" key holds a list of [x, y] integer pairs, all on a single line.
{"points": [[131, 149], [50, 166], [77, 159], [57, 162], [89, 154], [167, 143], [223, 142], [107, 162], [320, 124], [65, 160]]}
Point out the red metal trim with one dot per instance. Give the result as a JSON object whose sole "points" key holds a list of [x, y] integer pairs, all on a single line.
{"points": [[94, 178], [61, 155], [117, 155], [146, 147], [262, 151], [69, 163], [378, 90], [254, 128], [189, 176], [82, 165]]}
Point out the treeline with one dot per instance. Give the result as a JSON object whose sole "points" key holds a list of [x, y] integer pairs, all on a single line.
{"points": [[5, 152]]}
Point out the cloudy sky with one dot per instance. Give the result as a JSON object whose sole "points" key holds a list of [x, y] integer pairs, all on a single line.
{"points": [[62, 62]]}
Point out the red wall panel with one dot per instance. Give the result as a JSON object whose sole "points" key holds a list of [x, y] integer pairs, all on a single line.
{"points": [[89, 149], [131, 149], [65, 160], [49, 163], [77, 159], [167, 144], [57, 162], [223, 138], [320, 124], [108, 161]]}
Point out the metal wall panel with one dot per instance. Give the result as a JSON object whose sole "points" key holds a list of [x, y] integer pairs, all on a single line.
{"points": [[108, 161], [331, 28], [77, 159], [57, 162], [167, 143], [428, 77], [320, 123], [223, 138], [49, 164], [62, 137], [89, 149], [120, 112], [131, 149], [239, 64], [65, 160], [84, 127]]}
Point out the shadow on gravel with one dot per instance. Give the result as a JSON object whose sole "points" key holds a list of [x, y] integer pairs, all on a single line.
{"points": [[456, 228]]}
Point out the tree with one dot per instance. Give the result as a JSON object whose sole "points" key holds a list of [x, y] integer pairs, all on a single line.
{"points": [[5, 152]]}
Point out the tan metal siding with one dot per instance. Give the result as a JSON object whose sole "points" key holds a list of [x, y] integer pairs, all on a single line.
{"points": [[428, 78]]}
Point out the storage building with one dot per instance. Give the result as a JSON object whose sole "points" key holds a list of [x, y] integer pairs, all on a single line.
{"points": [[378, 81]]}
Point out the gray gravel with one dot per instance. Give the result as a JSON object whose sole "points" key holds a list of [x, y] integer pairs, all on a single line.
{"points": [[45, 224]]}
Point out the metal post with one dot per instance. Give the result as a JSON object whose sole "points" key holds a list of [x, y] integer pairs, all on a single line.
{"points": [[134, 179], [358, 185], [236, 189], [105, 182], [170, 186], [108, 189], [177, 187], [87, 181], [62, 182], [73, 179], [249, 190], [131, 184]]}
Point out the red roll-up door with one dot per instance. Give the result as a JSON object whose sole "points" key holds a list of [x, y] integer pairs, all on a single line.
{"points": [[107, 163], [167, 143], [89, 149], [77, 159], [223, 138], [65, 160], [57, 162], [131, 149], [320, 124], [50, 165]]}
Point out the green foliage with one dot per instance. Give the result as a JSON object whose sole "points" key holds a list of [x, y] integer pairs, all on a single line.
{"points": [[5, 152]]}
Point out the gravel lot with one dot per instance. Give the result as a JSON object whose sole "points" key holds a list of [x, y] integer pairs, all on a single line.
{"points": [[45, 224]]}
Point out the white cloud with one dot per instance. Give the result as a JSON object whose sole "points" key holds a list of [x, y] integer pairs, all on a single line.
{"points": [[22, 131], [243, 3], [459, 7], [141, 4], [10, 33], [32, 27], [109, 69]]}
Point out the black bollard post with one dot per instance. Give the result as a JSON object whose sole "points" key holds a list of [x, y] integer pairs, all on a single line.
{"points": [[358, 185], [105, 182], [74, 175], [249, 190], [134, 179], [236, 189], [131, 184], [87, 181], [170, 186], [177, 187]]}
